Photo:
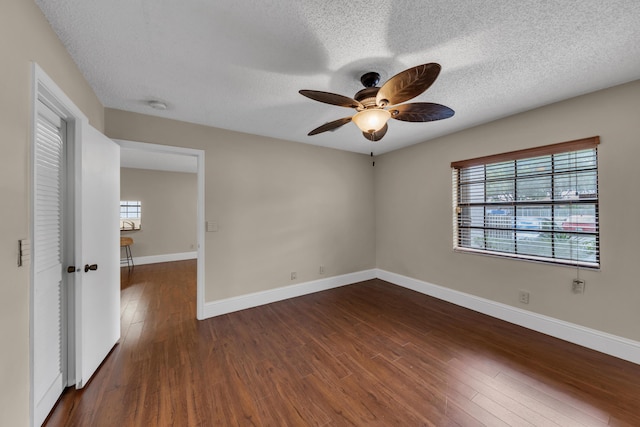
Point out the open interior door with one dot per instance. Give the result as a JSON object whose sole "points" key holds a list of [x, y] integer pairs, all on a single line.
{"points": [[97, 252]]}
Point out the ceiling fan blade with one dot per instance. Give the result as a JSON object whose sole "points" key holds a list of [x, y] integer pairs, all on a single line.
{"points": [[421, 112], [330, 126], [376, 136], [331, 98], [407, 84]]}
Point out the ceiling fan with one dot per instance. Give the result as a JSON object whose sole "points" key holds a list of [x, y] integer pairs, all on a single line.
{"points": [[376, 105]]}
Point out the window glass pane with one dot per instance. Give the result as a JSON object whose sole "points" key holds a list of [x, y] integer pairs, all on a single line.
{"points": [[502, 170], [476, 238], [562, 212], [476, 216], [576, 248], [500, 191], [538, 188], [464, 237], [534, 218], [585, 159], [576, 223], [472, 193], [565, 186], [535, 243], [500, 240], [534, 166], [576, 185], [474, 173], [500, 218], [586, 248]]}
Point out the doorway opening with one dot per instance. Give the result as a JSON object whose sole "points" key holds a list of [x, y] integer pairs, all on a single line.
{"points": [[177, 159]]}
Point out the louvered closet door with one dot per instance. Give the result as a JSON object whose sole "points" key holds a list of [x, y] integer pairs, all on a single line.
{"points": [[49, 381]]}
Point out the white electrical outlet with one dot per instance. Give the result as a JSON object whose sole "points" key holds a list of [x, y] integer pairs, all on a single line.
{"points": [[321, 270], [523, 297], [294, 275]]}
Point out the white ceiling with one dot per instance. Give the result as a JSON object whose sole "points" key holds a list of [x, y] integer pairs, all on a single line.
{"points": [[239, 64]]}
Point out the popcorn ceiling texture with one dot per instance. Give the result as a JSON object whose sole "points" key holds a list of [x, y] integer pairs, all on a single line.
{"points": [[239, 64]]}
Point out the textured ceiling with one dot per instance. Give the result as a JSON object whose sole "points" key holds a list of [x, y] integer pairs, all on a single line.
{"points": [[239, 64]]}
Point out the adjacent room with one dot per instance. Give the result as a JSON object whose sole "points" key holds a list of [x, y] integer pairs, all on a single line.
{"points": [[338, 213], [158, 204]]}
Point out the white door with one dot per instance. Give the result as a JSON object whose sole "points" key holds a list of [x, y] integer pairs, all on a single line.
{"points": [[75, 317], [97, 249], [48, 299]]}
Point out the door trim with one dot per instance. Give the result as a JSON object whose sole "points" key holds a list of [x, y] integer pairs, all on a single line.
{"points": [[46, 90], [200, 156]]}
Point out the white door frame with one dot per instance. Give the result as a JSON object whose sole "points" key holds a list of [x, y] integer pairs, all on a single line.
{"points": [[199, 155], [46, 90]]}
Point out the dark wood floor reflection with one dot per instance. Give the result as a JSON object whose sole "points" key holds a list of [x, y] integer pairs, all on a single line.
{"points": [[369, 354]]}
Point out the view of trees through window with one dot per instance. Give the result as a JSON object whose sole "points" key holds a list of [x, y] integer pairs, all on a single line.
{"points": [[543, 207]]}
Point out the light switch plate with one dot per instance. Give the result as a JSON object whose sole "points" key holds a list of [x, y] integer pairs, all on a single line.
{"points": [[24, 252]]}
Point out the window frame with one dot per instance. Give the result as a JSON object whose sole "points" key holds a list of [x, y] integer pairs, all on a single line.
{"points": [[462, 225]]}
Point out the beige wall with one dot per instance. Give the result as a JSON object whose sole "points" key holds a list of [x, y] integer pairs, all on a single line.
{"points": [[25, 36], [169, 210], [280, 206], [414, 213]]}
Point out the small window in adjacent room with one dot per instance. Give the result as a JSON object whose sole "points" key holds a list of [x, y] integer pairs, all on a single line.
{"points": [[130, 215], [538, 204]]}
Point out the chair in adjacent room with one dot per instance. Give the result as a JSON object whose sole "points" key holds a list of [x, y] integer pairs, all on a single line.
{"points": [[126, 242]]}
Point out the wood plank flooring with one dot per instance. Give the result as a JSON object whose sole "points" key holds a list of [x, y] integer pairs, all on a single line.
{"points": [[369, 354]]}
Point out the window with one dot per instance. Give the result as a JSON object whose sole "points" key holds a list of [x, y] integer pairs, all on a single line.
{"points": [[538, 204], [130, 214]]}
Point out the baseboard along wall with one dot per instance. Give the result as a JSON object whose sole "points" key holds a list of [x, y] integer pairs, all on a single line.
{"points": [[154, 259], [229, 305], [603, 342]]}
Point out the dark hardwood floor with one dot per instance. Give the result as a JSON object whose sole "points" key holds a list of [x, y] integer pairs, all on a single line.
{"points": [[369, 354]]}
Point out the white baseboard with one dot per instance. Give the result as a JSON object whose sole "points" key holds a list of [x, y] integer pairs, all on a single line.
{"points": [[153, 259], [217, 308], [596, 340], [603, 342]]}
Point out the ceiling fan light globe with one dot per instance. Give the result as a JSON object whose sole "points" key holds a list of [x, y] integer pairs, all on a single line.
{"points": [[371, 120]]}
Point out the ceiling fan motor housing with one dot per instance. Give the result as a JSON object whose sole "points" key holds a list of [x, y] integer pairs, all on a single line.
{"points": [[370, 79], [367, 96]]}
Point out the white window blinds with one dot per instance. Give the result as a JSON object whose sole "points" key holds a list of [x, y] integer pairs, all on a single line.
{"points": [[539, 204]]}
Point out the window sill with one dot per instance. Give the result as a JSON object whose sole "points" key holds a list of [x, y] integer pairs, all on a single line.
{"points": [[539, 260]]}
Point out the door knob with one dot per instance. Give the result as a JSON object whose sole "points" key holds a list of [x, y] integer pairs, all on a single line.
{"points": [[92, 267]]}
